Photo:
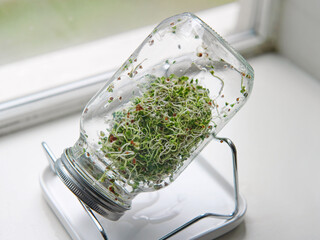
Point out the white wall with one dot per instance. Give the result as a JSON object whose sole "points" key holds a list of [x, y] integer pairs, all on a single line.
{"points": [[299, 34]]}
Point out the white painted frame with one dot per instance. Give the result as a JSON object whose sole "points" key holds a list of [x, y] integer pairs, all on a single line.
{"points": [[256, 34]]}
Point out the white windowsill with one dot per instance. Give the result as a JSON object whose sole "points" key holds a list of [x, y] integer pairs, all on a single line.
{"points": [[278, 161]]}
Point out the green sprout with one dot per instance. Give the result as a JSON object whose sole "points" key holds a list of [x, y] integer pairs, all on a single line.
{"points": [[153, 137]]}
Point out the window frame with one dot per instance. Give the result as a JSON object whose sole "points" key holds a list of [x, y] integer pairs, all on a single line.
{"points": [[256, 34]]}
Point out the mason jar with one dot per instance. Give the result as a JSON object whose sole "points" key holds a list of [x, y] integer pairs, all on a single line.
{"points": [[176, 91]]}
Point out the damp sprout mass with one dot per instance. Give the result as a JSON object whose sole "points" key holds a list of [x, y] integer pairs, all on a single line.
{"points": [[152, 137]]}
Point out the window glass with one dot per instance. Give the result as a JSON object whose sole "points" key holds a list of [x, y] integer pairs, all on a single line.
{"points": [[49, 43], [29, 28]]}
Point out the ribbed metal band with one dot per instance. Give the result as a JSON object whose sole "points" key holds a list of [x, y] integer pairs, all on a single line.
{"points": [[87, 193]]}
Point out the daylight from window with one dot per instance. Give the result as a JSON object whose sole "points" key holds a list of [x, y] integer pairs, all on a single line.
{"points": [[30, 28], [49, 43]]}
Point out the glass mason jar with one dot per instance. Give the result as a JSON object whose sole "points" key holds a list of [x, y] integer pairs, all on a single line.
{"points": [[158, 111]]}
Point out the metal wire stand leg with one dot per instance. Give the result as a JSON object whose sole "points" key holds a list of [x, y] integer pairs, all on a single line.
{"points": [[52, 159], [228, 217]]}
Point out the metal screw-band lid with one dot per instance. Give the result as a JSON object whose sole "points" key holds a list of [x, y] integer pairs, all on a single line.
{"points": [[87, 193]]}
